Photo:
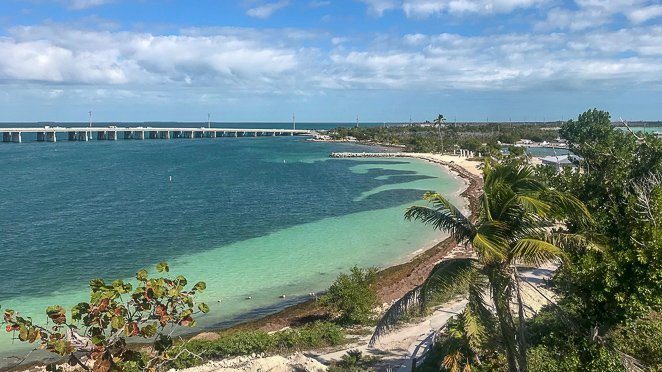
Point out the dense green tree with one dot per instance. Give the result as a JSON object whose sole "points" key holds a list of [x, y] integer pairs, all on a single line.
{"points": [[511, 228], [619, 182], [351, 297]]}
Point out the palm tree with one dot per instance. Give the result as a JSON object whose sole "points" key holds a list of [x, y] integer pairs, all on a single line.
{"points": [[439, 122], [512, 226]]}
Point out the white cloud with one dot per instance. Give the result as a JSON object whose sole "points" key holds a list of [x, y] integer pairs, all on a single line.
{"points": [[61, 55], [428, 8], [378, 7], [596, 13], [507, 62], [266, 10], [84, 4], [645, 13], [267, 61]]}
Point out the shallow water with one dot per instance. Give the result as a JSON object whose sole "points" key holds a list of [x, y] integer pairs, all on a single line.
{"points": [[255, 217]]}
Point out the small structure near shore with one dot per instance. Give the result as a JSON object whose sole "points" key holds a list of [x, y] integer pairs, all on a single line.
{"points": [[559, 162]]}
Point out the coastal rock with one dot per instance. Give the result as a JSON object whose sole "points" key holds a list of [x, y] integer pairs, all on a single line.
{"points": [[206, 336]]}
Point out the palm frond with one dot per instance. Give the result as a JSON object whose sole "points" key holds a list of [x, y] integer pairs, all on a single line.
{"points": [[489, 241], [443, 215], [447, 276], [477, 294], [576, 242], [396, 312], [533, 205], [473, 328], [535, 251], [566, 205]]}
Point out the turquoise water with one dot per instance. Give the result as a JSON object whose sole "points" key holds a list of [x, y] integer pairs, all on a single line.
{"points": [[647, 129], [255, 217]]}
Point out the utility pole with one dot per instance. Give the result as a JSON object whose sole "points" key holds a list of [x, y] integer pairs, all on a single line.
{"points": [[90, 113], [357, 120], [294, 122], [208, 120]]}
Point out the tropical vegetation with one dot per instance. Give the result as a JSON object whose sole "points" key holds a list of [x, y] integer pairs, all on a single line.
{"points": [[610, 299], [96, 332], [235, 343], [440, 136], [351, 298], [601, 222], [517, 213]]}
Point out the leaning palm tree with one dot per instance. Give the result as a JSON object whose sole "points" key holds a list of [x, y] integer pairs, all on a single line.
{"points": [[513, 226]]}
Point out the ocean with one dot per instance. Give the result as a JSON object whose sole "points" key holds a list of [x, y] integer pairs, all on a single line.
{"points": [[253, 217]]}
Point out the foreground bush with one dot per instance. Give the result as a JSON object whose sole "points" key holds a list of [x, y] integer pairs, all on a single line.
{"points": [[315, 335], [353, 361], [351, 297], [641, 339], [557, 346], [99, 330]]}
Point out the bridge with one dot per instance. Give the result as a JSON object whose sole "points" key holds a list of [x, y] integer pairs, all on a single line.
{"points": [[113, 133]]}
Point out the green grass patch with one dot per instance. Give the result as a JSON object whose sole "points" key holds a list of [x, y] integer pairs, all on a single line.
{"points": [[312, 336]]}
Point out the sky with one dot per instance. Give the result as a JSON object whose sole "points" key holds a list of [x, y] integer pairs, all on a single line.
{"points": [[329, 60]]}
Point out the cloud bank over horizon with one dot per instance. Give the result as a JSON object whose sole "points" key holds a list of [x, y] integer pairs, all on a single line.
{"points": [[604, 51]]}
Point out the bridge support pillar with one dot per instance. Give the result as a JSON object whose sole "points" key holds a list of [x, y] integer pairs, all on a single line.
{"points": [[164, 134], [111, 136], [83, 136], [139, 134], [153, 134], [101, 135], [16, 137]]}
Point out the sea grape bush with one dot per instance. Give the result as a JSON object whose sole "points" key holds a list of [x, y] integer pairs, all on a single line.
{"points": [[96, 332], [352, 297]]}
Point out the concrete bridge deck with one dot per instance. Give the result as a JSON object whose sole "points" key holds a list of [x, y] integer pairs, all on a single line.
{"points": [[112, 133]]}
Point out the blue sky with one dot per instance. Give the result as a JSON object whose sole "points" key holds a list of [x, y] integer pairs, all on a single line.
{"points": [[329, 60]]}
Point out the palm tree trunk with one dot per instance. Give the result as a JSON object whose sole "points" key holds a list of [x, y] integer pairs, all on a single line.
{"points": [[521, 340], [500, 296]]}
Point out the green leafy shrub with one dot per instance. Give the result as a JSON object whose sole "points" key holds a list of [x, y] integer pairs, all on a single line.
{"points": [[558, 346], [99, 329], [318, 334], [351, 297], [242, 343], [641, 339], [353, 361], [315, 335], [568, 358]]}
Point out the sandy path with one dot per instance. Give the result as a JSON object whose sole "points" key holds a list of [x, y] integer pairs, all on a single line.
{"points": [[397, 347]]}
